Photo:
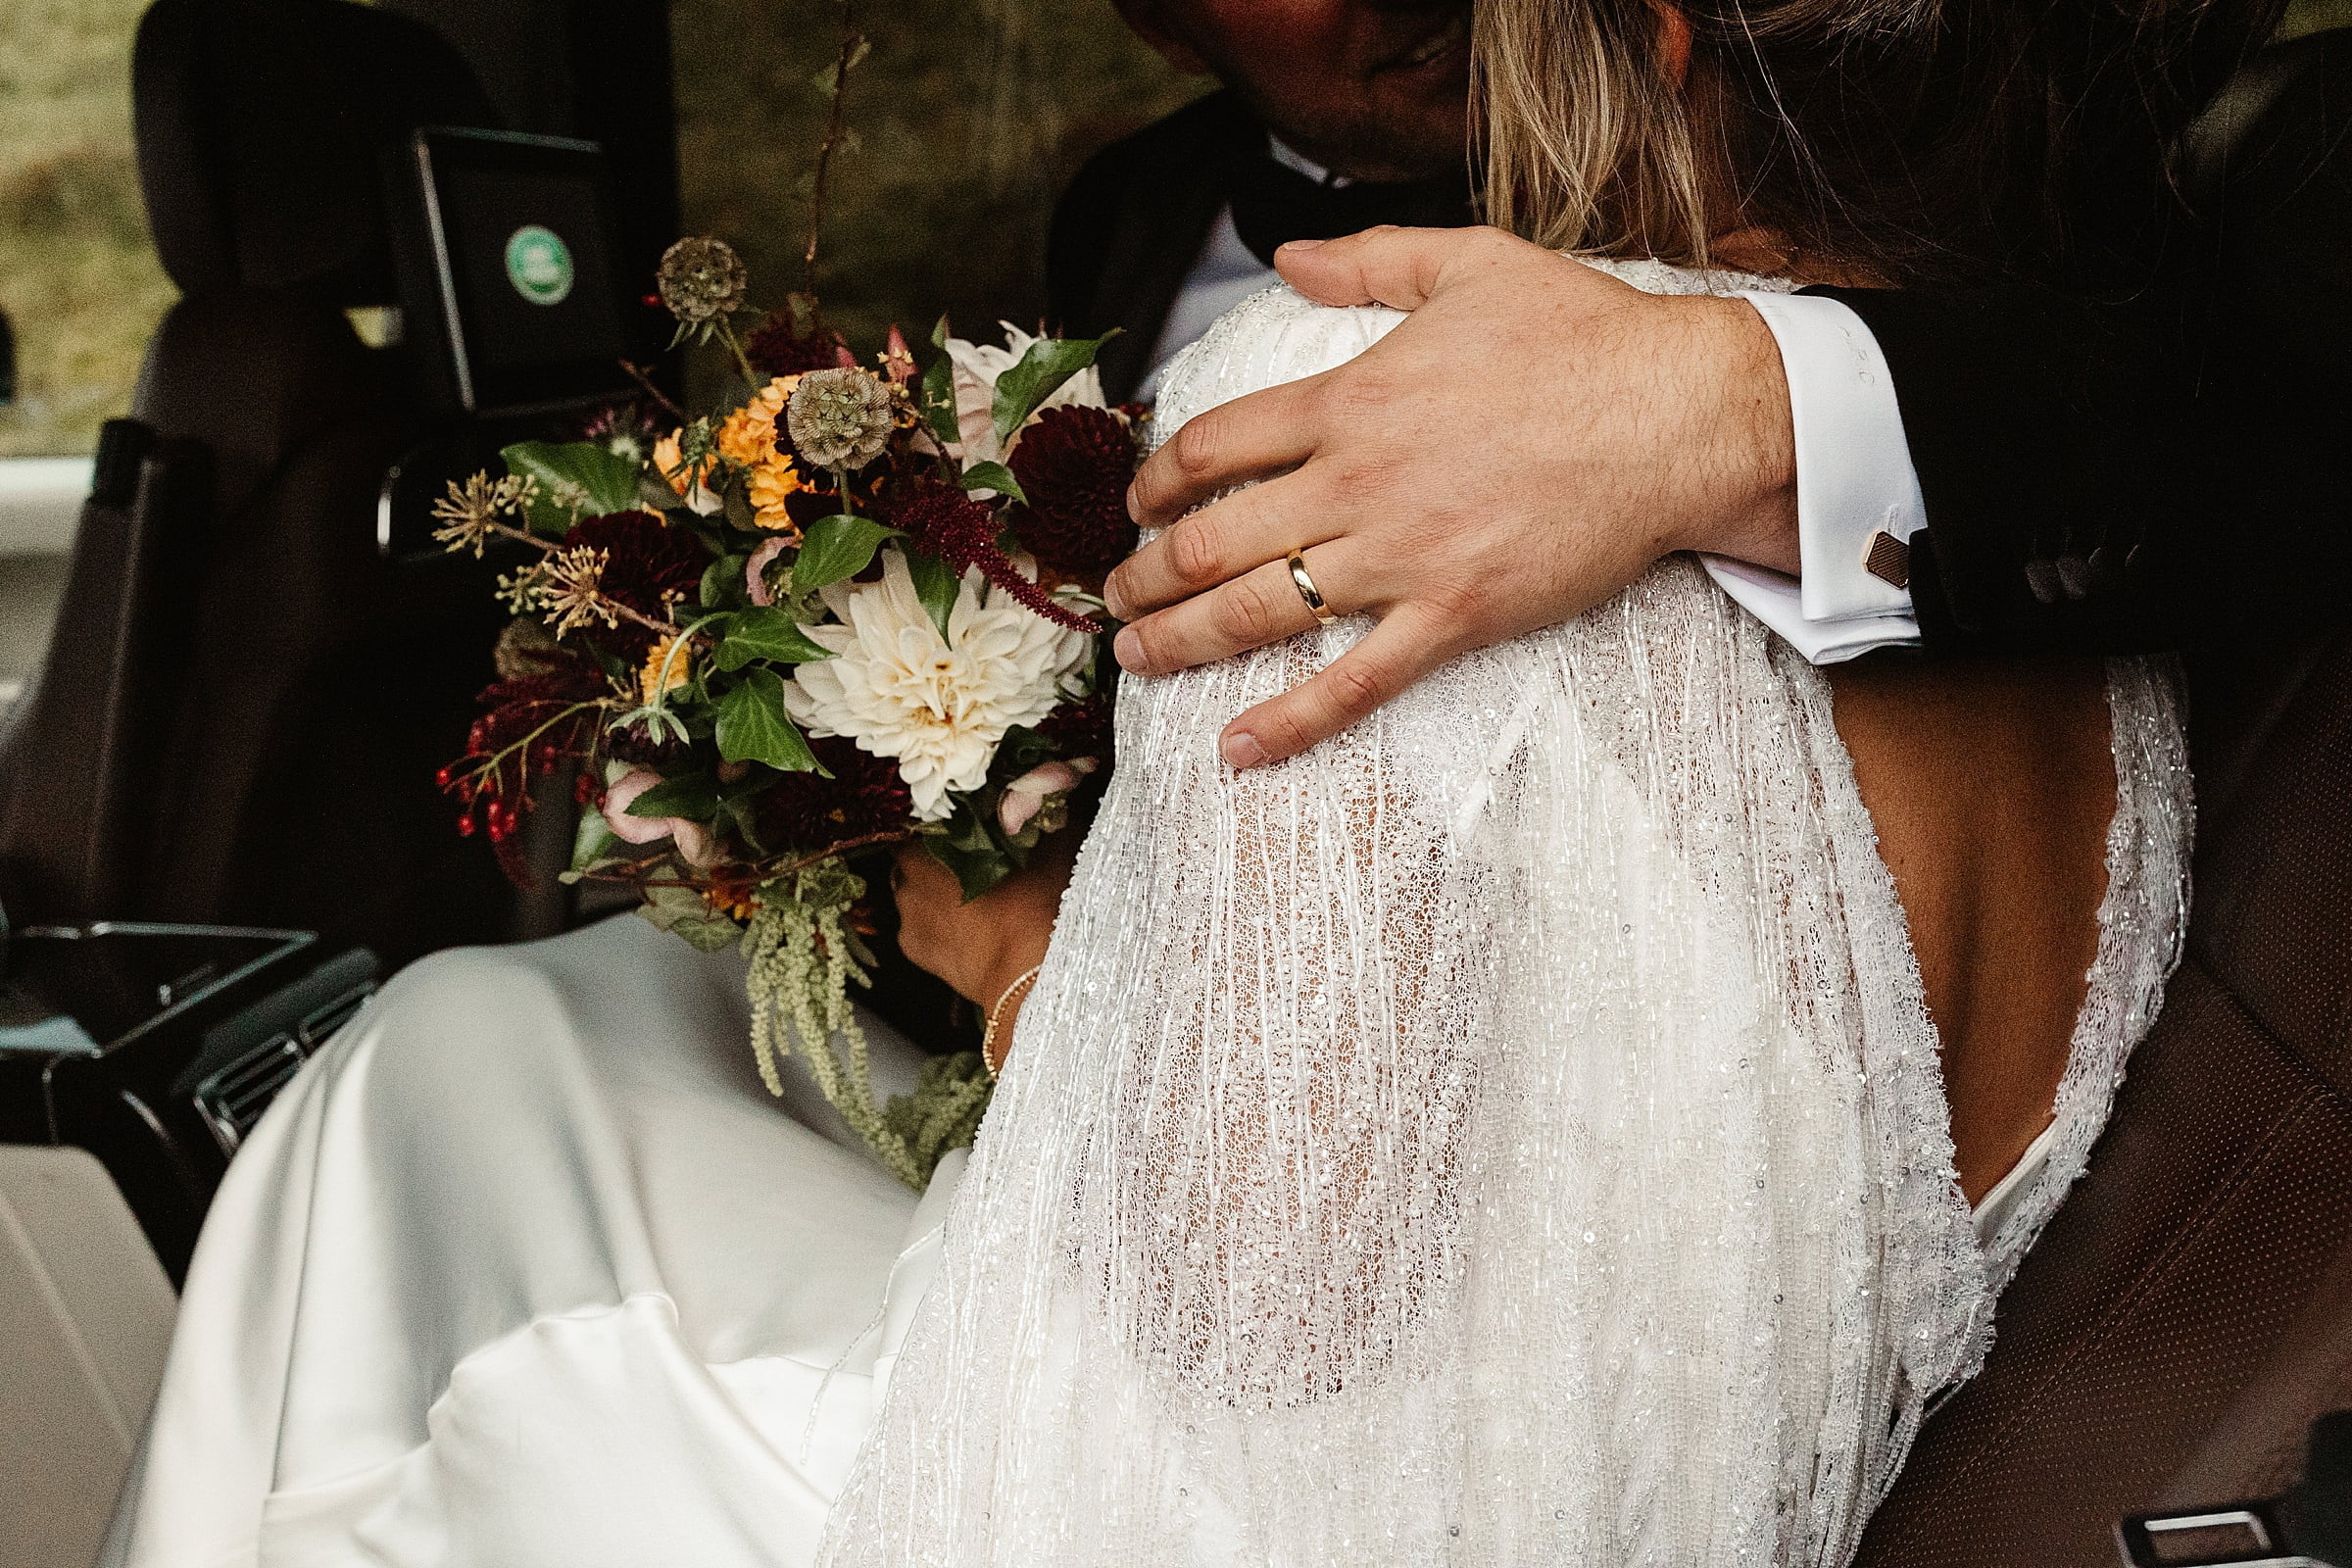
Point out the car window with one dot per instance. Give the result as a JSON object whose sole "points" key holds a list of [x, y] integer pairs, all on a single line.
{"points": [[967, 119], [79, 279]]}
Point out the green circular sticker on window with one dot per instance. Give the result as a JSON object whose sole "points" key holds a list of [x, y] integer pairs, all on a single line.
{"points": [[539, 265]]}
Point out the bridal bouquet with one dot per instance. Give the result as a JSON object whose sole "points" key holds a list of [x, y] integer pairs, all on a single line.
{"points": [[854, 606]]}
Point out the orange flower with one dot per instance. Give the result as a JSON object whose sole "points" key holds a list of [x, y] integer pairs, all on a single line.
{"points": [[772, 482], [748, 435], [669, 460], [730, 894], [662, 673]]}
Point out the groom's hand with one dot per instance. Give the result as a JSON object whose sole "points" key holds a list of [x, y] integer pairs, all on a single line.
{"points": [[1525, 444]]}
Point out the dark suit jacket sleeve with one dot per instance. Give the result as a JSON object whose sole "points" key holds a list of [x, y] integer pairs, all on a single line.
{"points": [[1128, 227], [2160, 473]]}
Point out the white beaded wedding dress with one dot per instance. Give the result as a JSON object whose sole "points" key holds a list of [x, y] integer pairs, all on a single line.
{"points": [[1508, 1134]]}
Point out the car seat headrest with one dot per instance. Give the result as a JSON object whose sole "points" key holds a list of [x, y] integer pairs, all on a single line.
{"points": [[264, 129]]}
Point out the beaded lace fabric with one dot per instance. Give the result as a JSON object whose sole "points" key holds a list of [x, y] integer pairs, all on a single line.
{"points": [[1510, 1133]]}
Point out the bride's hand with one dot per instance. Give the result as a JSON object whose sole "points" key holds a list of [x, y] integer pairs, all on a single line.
{"points": [[981, 948]]}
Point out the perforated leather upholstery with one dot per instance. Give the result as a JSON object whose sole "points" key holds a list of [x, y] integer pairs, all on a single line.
{"points": [[2189, 1311]]}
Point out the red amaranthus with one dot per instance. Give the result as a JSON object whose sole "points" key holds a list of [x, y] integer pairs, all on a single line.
{"points": [[941, 520]]}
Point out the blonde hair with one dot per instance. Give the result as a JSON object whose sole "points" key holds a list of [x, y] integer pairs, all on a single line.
{"points": [[1910, 138], [1588, 141]]}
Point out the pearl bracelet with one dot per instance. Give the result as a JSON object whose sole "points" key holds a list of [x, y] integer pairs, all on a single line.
{"points": [[989, 1057]]}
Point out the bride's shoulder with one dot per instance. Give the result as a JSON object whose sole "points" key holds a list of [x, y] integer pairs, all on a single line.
{"points": [[1273, 336]]}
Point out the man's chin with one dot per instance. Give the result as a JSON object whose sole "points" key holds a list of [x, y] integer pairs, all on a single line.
{"points": [[1388, 130]]}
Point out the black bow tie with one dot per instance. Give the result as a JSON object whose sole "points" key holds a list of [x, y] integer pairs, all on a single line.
{"points": [[1274, 203]]}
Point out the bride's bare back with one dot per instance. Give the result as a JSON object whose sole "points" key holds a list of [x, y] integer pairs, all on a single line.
{"points": [[1991, 783]]}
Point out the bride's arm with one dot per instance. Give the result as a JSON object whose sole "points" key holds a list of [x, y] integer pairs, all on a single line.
{"points": [[984, 948]]}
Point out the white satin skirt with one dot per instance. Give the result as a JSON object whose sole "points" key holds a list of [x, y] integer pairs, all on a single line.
{"points": [[526, 1268]]}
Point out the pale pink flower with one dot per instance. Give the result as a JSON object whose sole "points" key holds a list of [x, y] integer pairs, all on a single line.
{"points": [[694, 841], [1026, 796], [755, 571]]}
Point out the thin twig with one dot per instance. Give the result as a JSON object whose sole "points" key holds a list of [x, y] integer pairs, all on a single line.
{"points": [[756, 873], [893, 836], [638, 376], [824, 149]]}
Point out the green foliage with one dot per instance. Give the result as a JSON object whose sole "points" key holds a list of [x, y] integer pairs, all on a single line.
{"points": [[683, 912], [802, 958], [592, 841], [722, 584], [766, 633], [995, 476], [944, 1112], [1024, 387], [576, 479], [689, 795], [753, 726], [935, 584], [971, 847], [837, 547], [972, 843], [939, 391]]}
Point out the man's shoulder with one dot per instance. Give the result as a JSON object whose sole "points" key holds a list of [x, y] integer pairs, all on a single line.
{"points": [[1136, 211], [1178, 143]]}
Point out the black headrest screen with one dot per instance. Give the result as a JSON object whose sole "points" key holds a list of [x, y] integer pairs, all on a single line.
{"points": [[519, 231]]}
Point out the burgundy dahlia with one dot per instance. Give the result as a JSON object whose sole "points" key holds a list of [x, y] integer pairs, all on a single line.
{"points": [[776, 347], [648, 566], [803, 813], [941, 520], [1074, 465], [1082, 728]]}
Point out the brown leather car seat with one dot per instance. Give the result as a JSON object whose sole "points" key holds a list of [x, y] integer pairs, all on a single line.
{"points": [[2188, 1312], [322, 682]]}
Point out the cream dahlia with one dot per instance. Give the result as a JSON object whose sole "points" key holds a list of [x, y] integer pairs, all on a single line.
{"points": [[937, 704]]}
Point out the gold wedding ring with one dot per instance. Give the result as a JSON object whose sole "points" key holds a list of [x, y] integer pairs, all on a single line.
{"points": [[1307, 589]]}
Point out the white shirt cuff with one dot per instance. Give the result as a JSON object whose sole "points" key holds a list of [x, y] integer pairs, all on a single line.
{"points": [[1854, 481], [1772, 598]]}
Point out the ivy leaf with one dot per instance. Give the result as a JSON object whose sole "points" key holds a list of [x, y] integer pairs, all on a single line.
{"points": [[689, 795], [935, 584], [768, 634], [753, 726], [837, 547], [722, 584], [1041, 372], [683, 912], [939, 397], [994, 476], [598, 479], [967, 850]]}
